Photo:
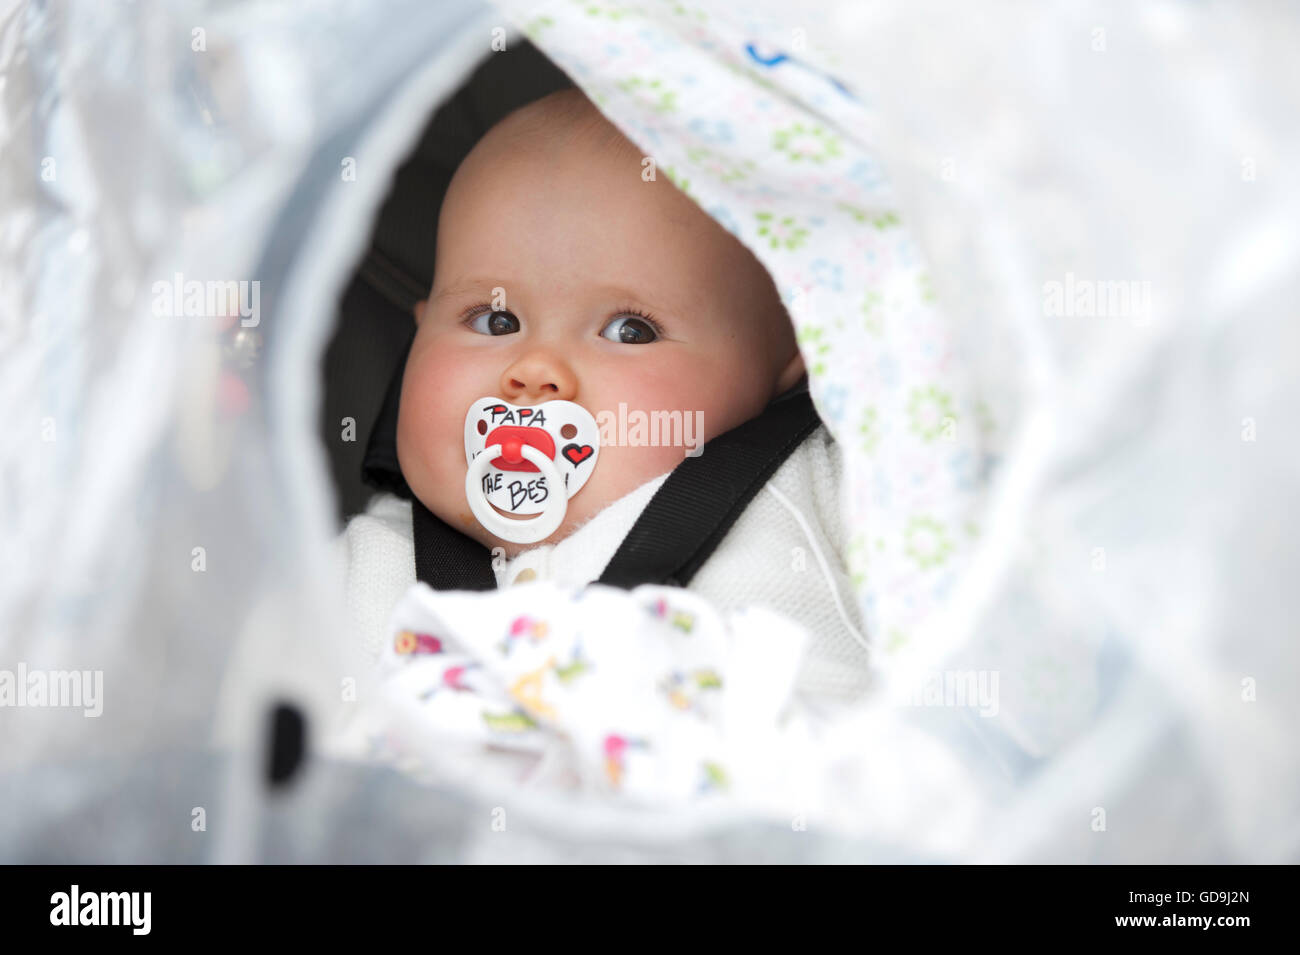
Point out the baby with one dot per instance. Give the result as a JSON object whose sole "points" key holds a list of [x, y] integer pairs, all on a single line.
{"points": [[569, 281], [608, 288]]}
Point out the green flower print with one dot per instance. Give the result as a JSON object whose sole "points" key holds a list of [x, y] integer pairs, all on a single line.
{"points": [[926, 542], [593, 8], [872, 313], [714, 776], [784, 231], [806, 142], [655, 93], [880, 220], [719, 166], [751, 77], [693, 13], [534, 27], [814, 347], [869, 428], [681, 182], [857, 559], [931, 412], [925, 287], [859, 214]]}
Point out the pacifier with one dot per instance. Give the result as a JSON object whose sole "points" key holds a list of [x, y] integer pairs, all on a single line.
{"points": [[527, 460]]}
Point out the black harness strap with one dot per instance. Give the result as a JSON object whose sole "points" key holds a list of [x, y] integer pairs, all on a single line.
{"points": [[446, 559], [699, 502]]}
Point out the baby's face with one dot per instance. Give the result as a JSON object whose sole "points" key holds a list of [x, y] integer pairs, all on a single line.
{"points": [[616, 290]]}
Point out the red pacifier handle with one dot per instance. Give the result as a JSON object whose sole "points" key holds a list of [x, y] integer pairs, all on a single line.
{"points": [[512, 438]]}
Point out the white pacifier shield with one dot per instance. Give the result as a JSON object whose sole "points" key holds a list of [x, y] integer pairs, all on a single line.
{"points": [[520, 489]]}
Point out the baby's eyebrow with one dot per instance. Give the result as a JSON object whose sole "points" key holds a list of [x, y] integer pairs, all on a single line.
{"points": [[466, 286], [626, 296], [614, 293]]}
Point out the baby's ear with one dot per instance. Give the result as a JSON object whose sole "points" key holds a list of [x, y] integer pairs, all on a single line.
{"points": [[791, 374], [419, 308]]}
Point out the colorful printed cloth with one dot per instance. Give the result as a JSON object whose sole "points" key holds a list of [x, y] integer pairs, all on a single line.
{"points": [[657, 698]]}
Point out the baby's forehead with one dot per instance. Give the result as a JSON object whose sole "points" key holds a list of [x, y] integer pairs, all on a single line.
{"points": [[561, 129], [555, 192], [551, 163], [564, 118]]}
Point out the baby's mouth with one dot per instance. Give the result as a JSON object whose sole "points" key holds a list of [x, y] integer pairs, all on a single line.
{"points": [[513, 517]]}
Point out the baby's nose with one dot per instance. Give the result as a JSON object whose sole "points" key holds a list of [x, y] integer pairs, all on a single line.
{"points": [[539, 376]]}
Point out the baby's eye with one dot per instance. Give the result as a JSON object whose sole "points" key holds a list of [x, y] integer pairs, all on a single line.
{"points": [[494, 323], [630, 330]]}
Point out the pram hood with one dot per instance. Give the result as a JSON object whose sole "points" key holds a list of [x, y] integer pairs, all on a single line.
{"points": [[1043, 299]]}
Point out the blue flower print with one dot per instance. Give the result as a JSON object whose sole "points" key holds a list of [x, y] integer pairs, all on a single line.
{"points": [[828, 274], [833, 398], [712, 131], [722, 215], [962, 465], [887, 368], [866, 174]]}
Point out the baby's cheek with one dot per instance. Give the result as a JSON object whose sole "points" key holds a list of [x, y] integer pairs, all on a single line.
{"points": [[708, 398], [727, 395], [426, 423], [645, 389], [436, 393]]}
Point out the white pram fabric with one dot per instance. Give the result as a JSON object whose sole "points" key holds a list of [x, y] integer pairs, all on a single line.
{"points": [[1042, 260]]}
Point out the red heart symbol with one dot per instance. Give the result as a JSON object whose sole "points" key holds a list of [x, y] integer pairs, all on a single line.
{"points": [[576, 454]]}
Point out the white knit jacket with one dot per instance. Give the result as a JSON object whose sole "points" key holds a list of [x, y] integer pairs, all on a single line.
{"points": [[786, 551]]}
